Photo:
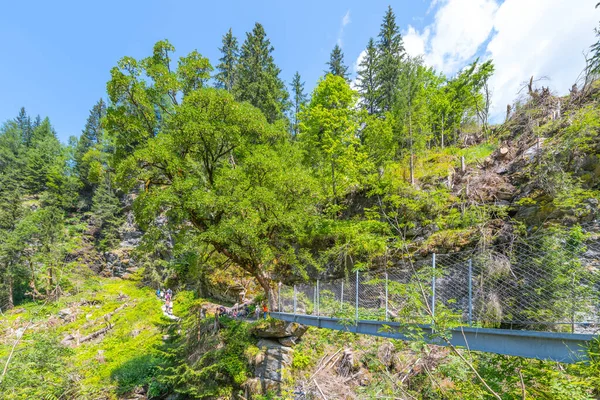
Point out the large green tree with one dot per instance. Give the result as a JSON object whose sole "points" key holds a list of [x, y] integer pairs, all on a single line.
{"points": [[24, 122], [90, 138], [221, 172], [225, 178], [143, 93], [367, 79], [336, 63], [391, 52], [298, 100], [42, 155], [227, 66], [258, 80], [328, 134]]}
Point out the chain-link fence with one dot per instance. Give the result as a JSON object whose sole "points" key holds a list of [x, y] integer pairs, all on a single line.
{"points": [[547, 283]]}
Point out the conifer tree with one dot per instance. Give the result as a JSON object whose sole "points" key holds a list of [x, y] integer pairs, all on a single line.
{"points": [[228, 62], [107, 212], [367, 86], [391, 52], [258, 79], [44, 151], [24, 123], [299, 99], [37, 122], [336, 63], [90, 137]]}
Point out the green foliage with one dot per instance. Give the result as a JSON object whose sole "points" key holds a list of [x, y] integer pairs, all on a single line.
{"points": [[127, 359], [298, 101], [391, 52], [226, 77], [88, 142], [336, 63], [219, 366], [107, 215], [328, 126], [45, 357], [367, 78], [257, 75]]}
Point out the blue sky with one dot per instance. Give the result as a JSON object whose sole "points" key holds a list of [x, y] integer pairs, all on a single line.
{"points": [[56, 55]]}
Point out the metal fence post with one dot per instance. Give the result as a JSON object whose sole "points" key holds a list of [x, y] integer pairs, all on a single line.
{"points": [[470, 292], [342, 298], [433, 290], [279, 296], [356, 315], [318, 298], [386, 296], [314, 311], [295, 300]]}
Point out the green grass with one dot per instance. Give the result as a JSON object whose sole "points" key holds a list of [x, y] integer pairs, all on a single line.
{"points": [[128, 360]]}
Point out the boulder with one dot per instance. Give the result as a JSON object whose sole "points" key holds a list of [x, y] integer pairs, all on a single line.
{"points": [[288, 341], [279, 329]]}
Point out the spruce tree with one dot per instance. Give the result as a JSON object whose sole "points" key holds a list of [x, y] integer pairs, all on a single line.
{"points": [[90, 137], [391, 53], [107, 214], [299, 99], [41, 157], [228, 62], [367, 86], [24, 123], [336, 63], [37, 122], [258, 79]]}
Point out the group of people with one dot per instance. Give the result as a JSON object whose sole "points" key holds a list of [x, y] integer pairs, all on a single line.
{"points": [[167, 296]]}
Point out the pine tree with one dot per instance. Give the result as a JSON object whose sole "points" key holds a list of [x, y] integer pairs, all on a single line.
{"points": [[107, 214], [24, 123], [391, 53], [336, 63], [42, 154], [37, 122], [258, 79], [299, 99], [367, 86], [228, 62], [90, 137]]}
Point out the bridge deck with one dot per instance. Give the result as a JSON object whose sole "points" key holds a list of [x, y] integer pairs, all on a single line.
{"points": [[561, 347]]}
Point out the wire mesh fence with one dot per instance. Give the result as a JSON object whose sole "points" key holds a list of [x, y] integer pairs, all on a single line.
{"points": [[548, 283]]}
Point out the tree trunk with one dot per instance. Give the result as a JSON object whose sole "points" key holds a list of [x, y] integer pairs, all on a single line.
{"points": [[11, 301], [50, 279], [442, 132], [412, 155], [271, 294], [333, 180]]}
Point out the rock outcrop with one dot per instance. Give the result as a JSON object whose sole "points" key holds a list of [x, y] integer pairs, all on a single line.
{"points": [[275, 356]]}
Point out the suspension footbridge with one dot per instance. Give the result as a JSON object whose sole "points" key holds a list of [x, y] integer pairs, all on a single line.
{"points": [[539, 299]]}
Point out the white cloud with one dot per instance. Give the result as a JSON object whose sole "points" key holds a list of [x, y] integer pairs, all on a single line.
{"points": [[414, 42], [356, 68], [345, 21], [539, 38], [459, 29], [524, 38]]}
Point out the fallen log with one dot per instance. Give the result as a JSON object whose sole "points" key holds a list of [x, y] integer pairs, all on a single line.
{"points": [[94, 335]]}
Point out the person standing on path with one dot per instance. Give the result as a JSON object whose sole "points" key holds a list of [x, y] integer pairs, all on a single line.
{"points": [[265, 311]]}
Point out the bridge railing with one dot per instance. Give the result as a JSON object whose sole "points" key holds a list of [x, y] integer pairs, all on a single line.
{"points": [[550, 283]]}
